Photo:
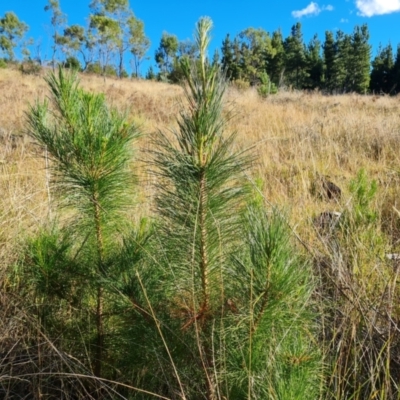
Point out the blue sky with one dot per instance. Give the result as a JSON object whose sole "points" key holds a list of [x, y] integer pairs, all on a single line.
{"points": [[229, 16]]}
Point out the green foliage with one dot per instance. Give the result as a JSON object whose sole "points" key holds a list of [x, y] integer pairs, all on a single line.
{"points": [[166, 53], [113, 30], [241, 84], [109, 70], [90, 148], [396, 71], [247, 56], [199, 203], [361, 59], [295, 58], [75, 41], [267, 87], [3, 63], [227, 62], [48, 267], [343, 69], [89, 143], [360, 236], [151, 75], [213, 299], [57, 17], [344, 66], [107, 27], [139, 43], [255, 46], [347, 61], [315, 65], [72, 63], [187, 50], [382, 74], [96, 68], [12, 31], [272, 337], [105, 35], [233, 287], [363, 192], [329, 50], [276, 59], [110, 6], [197, 174]]}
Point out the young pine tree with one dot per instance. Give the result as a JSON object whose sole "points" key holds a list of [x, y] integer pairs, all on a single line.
{"points": [[232, 302], [199, 203], [89, 145]]}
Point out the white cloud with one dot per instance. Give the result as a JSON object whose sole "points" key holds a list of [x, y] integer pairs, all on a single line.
{"points": [[344, 20], [311, 9], [369, 8]]}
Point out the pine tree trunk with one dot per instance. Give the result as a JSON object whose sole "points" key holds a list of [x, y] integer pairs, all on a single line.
{"points": [[203, 245], [100, 300], [205, 307]]}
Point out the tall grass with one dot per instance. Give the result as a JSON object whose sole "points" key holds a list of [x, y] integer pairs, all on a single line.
{"points": [[358, 294]]}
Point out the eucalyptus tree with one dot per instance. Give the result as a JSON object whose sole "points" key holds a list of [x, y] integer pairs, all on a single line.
{"points": [[104, 38], [139, 43], [117, 27], [12, 31], [75, 41], [106, 29], [58, 19]]}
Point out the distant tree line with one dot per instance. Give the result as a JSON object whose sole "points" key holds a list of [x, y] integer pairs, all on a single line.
{"points": [[112, 36], [342, 63]]}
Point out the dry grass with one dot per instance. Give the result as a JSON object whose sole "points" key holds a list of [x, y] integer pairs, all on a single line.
{"points": [[296, 138]]}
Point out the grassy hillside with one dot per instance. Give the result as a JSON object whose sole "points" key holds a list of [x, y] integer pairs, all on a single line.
{"points": [[314, 156], [295, 138]]}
